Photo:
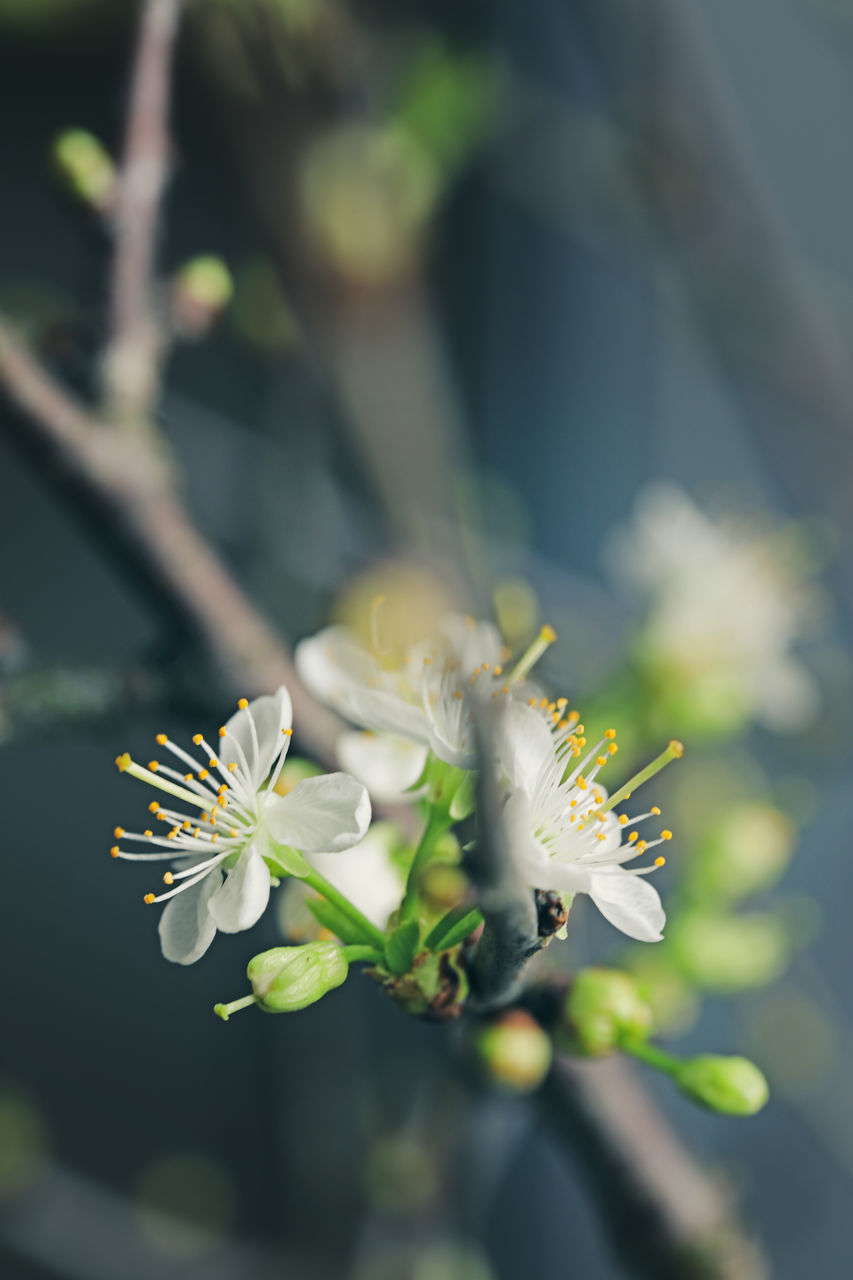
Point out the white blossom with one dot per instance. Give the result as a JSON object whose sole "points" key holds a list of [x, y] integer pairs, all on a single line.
{"points": [[563, 830], [221, 879], [725, 607]]}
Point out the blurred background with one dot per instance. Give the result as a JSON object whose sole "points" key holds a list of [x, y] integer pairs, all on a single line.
{"points": [[549, 305]]}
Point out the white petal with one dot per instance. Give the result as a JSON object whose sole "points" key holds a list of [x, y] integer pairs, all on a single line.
{"points": [[242, 900], [471, 643], [186, 926], [270, 714], [332, 662], [523, 745], [386, 712], [367, 875], [630, 903], [387, 765], [320, 815], [531, 857]]}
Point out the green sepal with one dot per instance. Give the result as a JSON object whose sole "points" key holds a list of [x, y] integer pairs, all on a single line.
{"points": [[333, 919], [285, 861], [403, 946], [454, 927], [465, 798]]}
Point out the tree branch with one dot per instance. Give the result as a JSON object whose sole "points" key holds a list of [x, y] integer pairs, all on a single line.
{"points": [[665, 1218], [125, 483], [511, 933], [131, 360]]}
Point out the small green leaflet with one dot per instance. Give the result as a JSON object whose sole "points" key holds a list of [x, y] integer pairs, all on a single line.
{"points": [[454, 928], [403, 947]]}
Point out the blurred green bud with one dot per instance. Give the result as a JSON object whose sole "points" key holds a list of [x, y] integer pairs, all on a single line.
{"points": [[732, 1086], [514, 1051], [728, 953], [86, 167], [289, 978], [442, 886], [747, 851], [201, 290], [602, 1007]]}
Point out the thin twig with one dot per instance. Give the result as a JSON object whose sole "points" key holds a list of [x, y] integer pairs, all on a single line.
{"points": [[131, 360]]}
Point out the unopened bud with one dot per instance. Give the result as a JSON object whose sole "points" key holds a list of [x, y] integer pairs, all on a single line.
{"points": [[86, 167], [732, 1086], [201, 290], [514, 1052], [289, 978], [745, 852], [603, 1007], [719, 952]]}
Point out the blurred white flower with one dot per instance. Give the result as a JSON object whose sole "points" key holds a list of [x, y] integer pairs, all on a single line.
{"points": [[561, 827], [420, 699], [725, 608], [222, 880], [368, 876]]}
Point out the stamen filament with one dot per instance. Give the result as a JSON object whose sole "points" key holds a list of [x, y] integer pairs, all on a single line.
{"points": [[528, 660], [674, 751]]}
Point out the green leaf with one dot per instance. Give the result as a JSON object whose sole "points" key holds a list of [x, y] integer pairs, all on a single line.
{"points": [[286, 861], [454, 928], [465, 799], [403, 947], [333, 919]]}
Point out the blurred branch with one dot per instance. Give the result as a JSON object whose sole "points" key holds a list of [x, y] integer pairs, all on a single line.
{"points": [[131, 359], [122, 481], [665, 1218], [61, 699]]}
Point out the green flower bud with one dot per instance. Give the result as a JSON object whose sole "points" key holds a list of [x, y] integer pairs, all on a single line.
{"points": [[86, 167], [603, 1006], [732, 1086], [745, 852], [727, 953], [514, 1052], [201, 290], [289, 978]]}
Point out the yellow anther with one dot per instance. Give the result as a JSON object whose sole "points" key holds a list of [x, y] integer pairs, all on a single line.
{"points": [[613, 748], [170, 835], [153, 807], [288, 733], [188, 777], [198, 739], [497, 671], [213, 762], [655, 810], [232, 766], [243, 703], [582, 783], [186, 824], [222, 731], [161, 739], [601, 761], [114, 851], [548, 633], [202, 774], [531, 702], [677, 748], [573, 804], [161, 817], [168, 878], [623, 818], [214, 837], [600, 835], [641, 846], [148, 834], [666, 834], [660, 862], [581, 741], [153, 765], [457, 693], [197, 831], [632, 837], [123, 761], [233, 831], [610, 733], [148, 899], [562, 702], [118, 832]]}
